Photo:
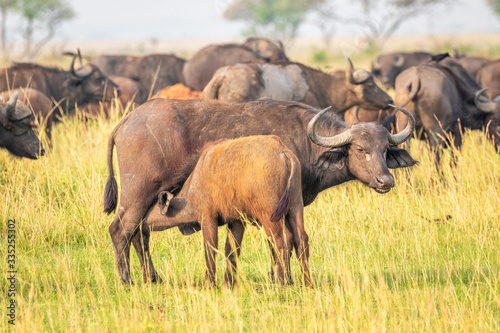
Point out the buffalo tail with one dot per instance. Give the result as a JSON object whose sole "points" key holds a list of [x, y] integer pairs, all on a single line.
{"points": [[284, 203]]}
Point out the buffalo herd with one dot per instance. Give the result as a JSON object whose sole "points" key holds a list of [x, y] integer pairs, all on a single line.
{"points": [[253, 144]]}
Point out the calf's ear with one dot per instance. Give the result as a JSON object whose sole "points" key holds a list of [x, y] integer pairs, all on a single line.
{"points": [[399, 158], [332, 159]]}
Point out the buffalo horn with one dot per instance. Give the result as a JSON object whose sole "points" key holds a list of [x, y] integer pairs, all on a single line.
{"points": [[354, 76], [397, 139], [11, 106], [82, 75], [399, 60], [330, 142], [484, 105]]}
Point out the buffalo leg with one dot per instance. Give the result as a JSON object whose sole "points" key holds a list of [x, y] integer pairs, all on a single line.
{"points": [[282, 243], [124, 227], [235, 232], [140, 240], [210, 239], [301, 243]]}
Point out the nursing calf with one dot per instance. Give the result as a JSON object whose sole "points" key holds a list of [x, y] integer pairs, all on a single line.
{"points": [[256, 177]]}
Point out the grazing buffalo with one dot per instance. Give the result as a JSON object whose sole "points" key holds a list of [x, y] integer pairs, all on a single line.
{"points": [[155, 141], [152, 72], [442, 101], [79, 87], [223, 186], [201, 67], [42, 106], [488, 76], [388, 66], [297, 82], [16, 129]]}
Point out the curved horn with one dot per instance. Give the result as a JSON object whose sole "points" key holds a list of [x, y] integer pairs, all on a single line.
{"points": [[488, 106], [11, 105], [400, 60], [356, 113], [75, 73], [397, 139], [329, 142], [80, 57], [356, 79], [350, 71]]}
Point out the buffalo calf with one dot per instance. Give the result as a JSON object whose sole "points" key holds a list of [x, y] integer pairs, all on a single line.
{"points": [[255, 176]]}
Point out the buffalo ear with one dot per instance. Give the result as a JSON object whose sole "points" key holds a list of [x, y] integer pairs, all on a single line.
{"points": [[399, 158], [332, 159]]}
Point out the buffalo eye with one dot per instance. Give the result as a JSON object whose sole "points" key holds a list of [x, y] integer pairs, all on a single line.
{"points": [[360, 150]]}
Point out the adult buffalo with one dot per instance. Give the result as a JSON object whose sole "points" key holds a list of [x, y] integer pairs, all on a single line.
{"points": [[296, 82], [16, 129], [152, 72], [388, 66], [442, 101], [201, 67], [79, 87], [155, 141]]}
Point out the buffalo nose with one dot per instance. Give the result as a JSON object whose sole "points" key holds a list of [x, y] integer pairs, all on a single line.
{"points": [[119, 91], [42, 151], [390, 101], [386, 181]]}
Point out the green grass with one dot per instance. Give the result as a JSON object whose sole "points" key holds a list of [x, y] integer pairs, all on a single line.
{"points": [[388, 262]]}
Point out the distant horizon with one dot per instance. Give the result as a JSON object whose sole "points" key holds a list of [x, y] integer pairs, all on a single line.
{"points": [[203, 19]]}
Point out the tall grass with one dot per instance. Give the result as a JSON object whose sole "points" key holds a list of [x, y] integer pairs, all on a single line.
{"points": [[425, 256]]}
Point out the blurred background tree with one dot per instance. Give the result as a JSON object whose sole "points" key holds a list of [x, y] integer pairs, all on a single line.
{"points": [[42, 17], [278, 19], [5, 6], [495, 6]]}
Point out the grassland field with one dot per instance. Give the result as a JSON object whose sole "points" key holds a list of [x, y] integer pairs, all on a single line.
{"points": [[423, 257]]}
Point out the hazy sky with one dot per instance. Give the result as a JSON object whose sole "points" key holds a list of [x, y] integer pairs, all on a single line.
{"points": [[146, 19]]}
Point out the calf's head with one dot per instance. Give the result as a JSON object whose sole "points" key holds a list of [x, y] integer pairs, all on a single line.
{"points": [[16, 130], [366, 92], [367, 150]]}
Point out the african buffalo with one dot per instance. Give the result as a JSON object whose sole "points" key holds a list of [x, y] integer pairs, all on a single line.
{"points": [[442, 102], [155, 141], [152, 72], [16, 129], [223, 186], [201, 67], [488, 76], [81, 86], [297, 82], [388, 66]]}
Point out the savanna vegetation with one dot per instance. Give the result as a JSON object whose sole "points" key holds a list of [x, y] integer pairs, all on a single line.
{"points": [[425, 256]]}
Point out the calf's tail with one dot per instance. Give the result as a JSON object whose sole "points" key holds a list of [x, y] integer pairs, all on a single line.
{"points": [[284, 202]]}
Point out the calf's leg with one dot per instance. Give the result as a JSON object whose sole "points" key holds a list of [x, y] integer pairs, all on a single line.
{"points": [[235, 232]]}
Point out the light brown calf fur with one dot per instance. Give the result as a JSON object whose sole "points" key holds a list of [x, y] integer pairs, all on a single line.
{"points": [[257, 177]]}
